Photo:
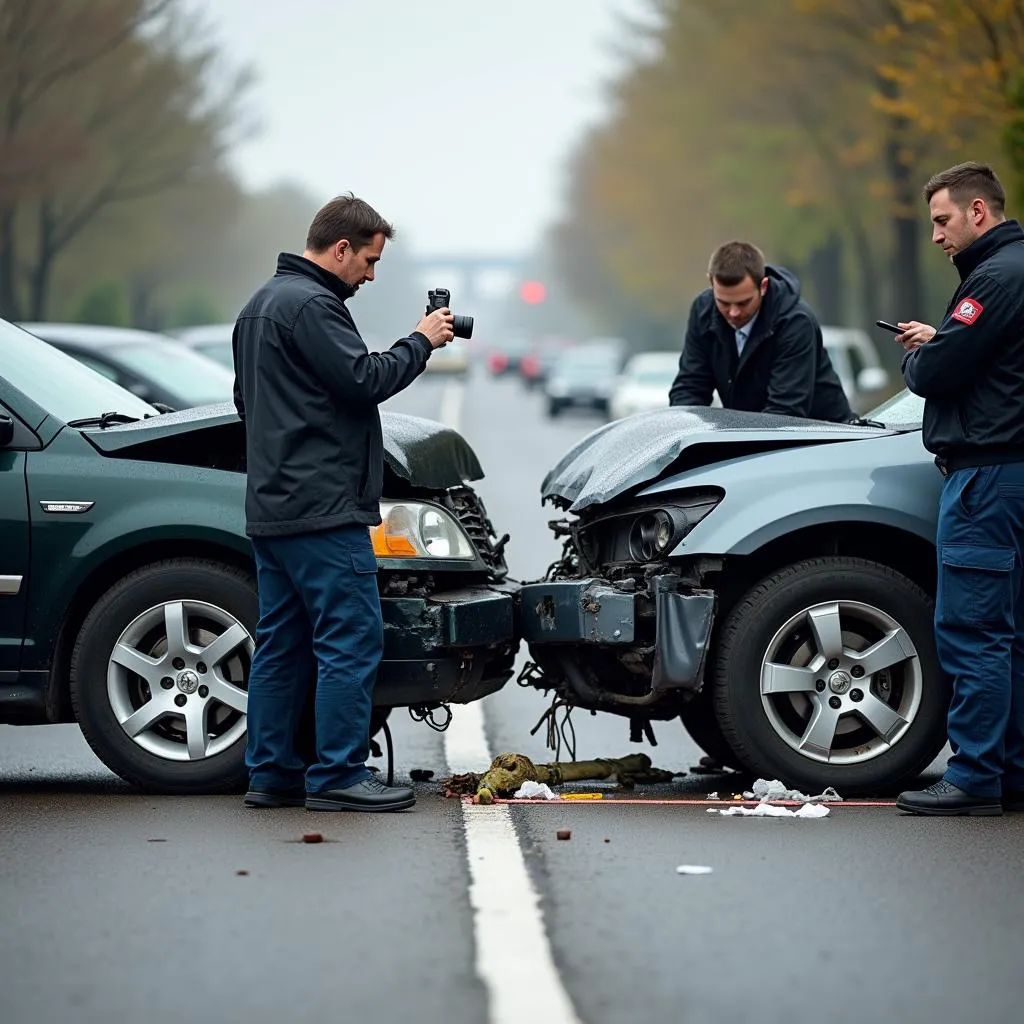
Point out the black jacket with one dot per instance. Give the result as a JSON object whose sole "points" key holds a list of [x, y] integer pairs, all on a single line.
{"points": [[307, 390], [784, 368], [972, 372]]}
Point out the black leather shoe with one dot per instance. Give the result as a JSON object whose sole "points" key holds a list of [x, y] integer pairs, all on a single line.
{"points": [[369, 795], [943, 798], [1013, 799], [274, 798]]}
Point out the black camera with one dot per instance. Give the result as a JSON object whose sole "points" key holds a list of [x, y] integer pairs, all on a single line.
{"points": [[441, 298]]}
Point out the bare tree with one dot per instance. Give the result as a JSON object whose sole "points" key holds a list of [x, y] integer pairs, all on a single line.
{"points": [[102, 102]]}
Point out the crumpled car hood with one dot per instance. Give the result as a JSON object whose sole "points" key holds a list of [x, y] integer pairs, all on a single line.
{"points": [[624, 454], [421, 451]]}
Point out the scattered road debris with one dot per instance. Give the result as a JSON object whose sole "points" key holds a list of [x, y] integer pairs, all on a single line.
{"points": [[767, 810], [693, 869], [242, 871], [563, 833], [509, 771], [530, 790], [764, 789], [312, 837], [421, 774]]}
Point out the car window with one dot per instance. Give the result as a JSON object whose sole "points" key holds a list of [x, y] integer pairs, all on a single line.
{"points": [[64, 387], [219, 351], [180, 370], [904, 411], [100, 367]]}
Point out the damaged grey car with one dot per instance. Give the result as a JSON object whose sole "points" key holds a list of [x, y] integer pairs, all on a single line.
{"points": [[768, 580]]}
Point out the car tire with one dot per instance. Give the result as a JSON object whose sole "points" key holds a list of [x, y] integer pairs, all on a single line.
{"points": [[788, 712], [135, 616], [700, 723]]}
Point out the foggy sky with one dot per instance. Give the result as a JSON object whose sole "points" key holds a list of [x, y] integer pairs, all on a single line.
{"points": [[452, 117]]}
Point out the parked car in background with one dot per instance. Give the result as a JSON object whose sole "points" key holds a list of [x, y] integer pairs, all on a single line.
{"points": [[502, 357], [584, 378], [644, 383], [127, 586], [212, 340], [450, 359], [536, 365], [151, 366], [856, 362], [768, 579]]}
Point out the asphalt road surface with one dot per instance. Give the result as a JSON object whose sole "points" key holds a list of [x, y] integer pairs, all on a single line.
{"points": [[115, 906]]}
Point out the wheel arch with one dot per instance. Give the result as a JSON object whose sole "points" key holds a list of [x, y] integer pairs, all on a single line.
{"points": [[907, 553]]}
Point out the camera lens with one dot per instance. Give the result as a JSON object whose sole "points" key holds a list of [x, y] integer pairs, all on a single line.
{"points": [[463, 326]]}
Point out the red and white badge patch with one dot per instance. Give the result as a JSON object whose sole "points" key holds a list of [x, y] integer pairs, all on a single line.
{"points": [[968, 310]]}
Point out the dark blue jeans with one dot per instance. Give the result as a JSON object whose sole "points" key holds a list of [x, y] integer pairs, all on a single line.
{"points": [[979, 625], [319, 607]]}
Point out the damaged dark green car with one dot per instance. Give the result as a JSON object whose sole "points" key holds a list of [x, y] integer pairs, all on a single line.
{"points": [[127, 588]]}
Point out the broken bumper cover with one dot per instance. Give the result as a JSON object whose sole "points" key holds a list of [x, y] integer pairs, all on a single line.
{"points": [[454, 646], [592, 612]]}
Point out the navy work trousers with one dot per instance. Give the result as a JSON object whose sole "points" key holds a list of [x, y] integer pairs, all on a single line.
{"points": [[979, 625], [319, 606]]}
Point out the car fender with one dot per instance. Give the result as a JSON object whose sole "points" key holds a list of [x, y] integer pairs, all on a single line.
{"points": [[134, 504], [891, 481]]}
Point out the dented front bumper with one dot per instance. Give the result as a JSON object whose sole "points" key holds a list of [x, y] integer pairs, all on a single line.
{"points": [[593, 613], [453, 646]]}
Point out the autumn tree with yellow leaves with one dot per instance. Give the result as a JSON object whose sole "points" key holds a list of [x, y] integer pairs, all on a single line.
{"points": [[808, 126]]}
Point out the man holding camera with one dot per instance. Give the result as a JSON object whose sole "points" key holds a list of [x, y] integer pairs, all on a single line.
{"points": [[307, 391], [753, 339], [971, 374]]}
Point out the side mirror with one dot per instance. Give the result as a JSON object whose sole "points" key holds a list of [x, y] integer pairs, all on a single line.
{"points": [[6, 430], [872, 378]]}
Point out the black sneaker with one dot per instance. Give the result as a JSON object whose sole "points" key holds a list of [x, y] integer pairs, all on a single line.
{"points": [[274, 798], [943, 798], [369, 795]]}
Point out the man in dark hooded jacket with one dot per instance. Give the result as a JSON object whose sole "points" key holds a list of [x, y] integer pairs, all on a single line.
{"points": [[753, 339]]}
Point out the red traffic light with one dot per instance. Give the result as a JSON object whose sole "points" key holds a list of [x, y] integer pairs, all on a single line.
{"points": [[532, 292]]}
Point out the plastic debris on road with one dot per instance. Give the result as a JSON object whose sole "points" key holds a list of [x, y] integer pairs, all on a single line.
{"points": [[693, 869], [530, 790], [763, 789], [767, 810]]}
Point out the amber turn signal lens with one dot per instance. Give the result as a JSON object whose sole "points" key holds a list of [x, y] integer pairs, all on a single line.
{"points": [[391, 545]]}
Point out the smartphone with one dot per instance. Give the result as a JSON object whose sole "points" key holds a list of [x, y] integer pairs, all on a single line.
{"points": [[886, 326]]}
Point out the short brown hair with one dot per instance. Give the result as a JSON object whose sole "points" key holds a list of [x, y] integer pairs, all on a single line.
{"points": [[346, 216], [967, 182], [733, 262]]}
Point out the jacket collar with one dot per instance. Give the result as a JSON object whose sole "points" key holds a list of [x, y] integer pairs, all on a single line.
{"points": [[289, 263], [967, 261]]}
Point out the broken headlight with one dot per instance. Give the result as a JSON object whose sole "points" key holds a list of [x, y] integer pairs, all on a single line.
{"points": [[415, 529], [645, 534]]}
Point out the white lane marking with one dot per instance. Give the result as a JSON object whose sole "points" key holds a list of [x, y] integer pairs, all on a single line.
{"points": [[451, 403], [513, 955]]}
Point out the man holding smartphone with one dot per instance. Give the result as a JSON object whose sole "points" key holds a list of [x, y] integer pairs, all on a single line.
{"points": [[970, 371]]}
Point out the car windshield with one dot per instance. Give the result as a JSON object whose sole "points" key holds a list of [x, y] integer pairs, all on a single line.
{"points": [[588, 368], [904, 411], [653, 378], [61, 385], [220, 351], [196, 378]]}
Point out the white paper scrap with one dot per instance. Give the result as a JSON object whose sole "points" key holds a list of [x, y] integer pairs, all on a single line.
{"points": [[530, 790], [693, 869]]}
